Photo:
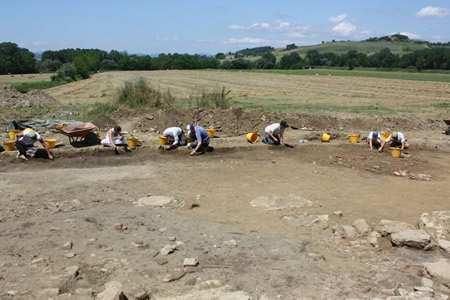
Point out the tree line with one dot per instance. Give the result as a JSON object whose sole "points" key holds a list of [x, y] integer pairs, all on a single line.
{"points": [[74, 64], [436, 58]]}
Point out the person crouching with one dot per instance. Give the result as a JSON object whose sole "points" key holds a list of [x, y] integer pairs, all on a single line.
{"points": [[374, 140], [175, 137], [200, 140], [274, 133], [25, 145], [115, 139]]}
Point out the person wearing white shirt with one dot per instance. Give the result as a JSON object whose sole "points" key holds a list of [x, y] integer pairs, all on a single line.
{"points": [[274, 133], [398, 139], [374, 140], [175, 136]]}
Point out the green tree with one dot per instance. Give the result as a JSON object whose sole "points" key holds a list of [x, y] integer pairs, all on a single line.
{"points": [[15, 60], [291, 61], [267, 61]]}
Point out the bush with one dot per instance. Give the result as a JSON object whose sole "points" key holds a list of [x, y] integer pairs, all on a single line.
{"points": [[67, 72], [139, 94], [217, 98]]}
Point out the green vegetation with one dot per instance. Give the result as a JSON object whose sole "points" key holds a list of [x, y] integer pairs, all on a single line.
{"points": [[140, 94], [25, 87], [15, 60], [216, 98], [421, 76]]}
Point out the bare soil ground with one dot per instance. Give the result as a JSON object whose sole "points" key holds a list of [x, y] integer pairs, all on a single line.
{"points": [[83, 196]]}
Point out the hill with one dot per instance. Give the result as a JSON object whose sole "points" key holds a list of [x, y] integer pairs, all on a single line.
{"points": [[398, 44]]}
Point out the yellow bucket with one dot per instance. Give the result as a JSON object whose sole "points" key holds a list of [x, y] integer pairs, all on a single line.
{"points": [[326, 137], [251, 137], [396, 152], [9, 145], [385, 135], [132, 143], [12, 134], [211, 132], [51, 143], [163, 140], [354, 138]]}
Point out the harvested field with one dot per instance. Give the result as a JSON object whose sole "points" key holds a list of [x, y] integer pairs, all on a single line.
{"points": [[280, 92]]}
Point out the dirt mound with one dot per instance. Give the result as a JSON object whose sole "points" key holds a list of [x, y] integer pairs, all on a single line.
{"points": [[11, 98], [237, 121]]}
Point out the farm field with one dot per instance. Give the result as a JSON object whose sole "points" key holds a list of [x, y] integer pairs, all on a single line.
{"points": [[278, 91]]}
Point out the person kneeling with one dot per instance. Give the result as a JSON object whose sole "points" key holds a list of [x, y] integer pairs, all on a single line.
{"points": [[398, 140], [115, 139], [274, 133], [26, 148], [175, 137], [200, 140]]}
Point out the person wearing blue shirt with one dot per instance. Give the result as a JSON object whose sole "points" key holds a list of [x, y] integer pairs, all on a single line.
{"points": [[200, 139]]}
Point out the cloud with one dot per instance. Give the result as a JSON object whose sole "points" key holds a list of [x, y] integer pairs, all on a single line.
{"points": [[344, 28], [433, 11], [271, 26], [246, 40], [338, 19]]}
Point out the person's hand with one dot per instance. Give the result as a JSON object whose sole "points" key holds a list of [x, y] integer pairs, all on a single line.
{"points": [[193, 152], [50, 156]]}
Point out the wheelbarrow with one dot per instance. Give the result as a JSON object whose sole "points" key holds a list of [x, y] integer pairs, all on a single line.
{"points": [[80, 134]]}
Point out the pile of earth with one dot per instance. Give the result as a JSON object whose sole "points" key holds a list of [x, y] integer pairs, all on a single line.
{"points": [[236, 121], [10, 98]]}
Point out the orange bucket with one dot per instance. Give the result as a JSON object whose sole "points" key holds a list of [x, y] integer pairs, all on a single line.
{"points": [[163, 140], [354, 138], [325, 138], [51, 143], [251, 137], [396, 152]]}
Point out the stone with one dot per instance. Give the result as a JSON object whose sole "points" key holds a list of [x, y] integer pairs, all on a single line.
{"points": [[143, 295], [427, 282], [423, 289], [346, 232], [172, 238], [387, 227], [444, 245], [120, 227], [439, 270], [112, 291], [437, 224], [278, 202], [190, 262], [176, 275], [361, 226], [161, 260], [68, 245], [210, 284], [411, 238], [372, 238], [37, 260], [167, 249], [230, 243], [155, 201]]}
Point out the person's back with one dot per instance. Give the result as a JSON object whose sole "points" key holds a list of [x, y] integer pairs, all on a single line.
{"points": [[202, 133], [172, 131], [274, 128]]}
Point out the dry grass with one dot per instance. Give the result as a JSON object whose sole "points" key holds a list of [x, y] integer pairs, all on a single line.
{"points": [[290, 92]]}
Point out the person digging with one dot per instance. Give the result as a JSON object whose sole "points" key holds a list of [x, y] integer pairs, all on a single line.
{"points": [[274, 134], [25, 145], [200, 140], [115, 139]]}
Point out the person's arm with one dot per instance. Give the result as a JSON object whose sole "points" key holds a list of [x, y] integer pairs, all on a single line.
{"points": [[382, 144], [199, 142], [370, 144], [111, 139], [176, 140]]}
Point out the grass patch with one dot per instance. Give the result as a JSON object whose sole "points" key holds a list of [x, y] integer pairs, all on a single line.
{"points": [[277, 105], [140, 94], [25, 87], [403, 75], [216, 98]]}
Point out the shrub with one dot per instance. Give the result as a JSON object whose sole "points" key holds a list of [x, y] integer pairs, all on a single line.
{"points": [[67, 72], [139, 94], [217, 98]]}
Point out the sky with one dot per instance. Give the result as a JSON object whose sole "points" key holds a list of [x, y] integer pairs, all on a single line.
{"points": [[211, 26]]}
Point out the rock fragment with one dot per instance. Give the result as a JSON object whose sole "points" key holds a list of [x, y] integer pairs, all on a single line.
{"points": [[387, 227], [112, 291], [444, 245], [361, 226], [190, 262], [167, 249], [439, 270], [411, 238]]}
